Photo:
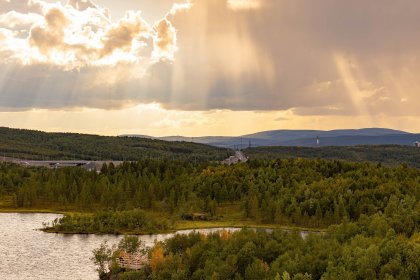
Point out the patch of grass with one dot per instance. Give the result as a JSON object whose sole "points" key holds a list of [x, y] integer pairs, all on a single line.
{"points": [[231, 215], [228, 215], [232, 212], [6, 202], [185, 225]]}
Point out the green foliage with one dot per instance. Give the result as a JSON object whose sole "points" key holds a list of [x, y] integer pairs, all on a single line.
{"points": [[372, 213], [387, 154], [131, 244], [135, 220], [345, 251], [102, 257], [30, 144], [133, 275], [105, 258], [309, 193], [315, 193]]}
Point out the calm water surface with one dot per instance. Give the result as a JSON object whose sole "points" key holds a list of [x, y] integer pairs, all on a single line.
{"points": [[28, 254]]}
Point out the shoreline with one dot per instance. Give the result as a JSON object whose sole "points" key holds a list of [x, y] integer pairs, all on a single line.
{"points": [[181, 225], [174, 231], [34, 211]]}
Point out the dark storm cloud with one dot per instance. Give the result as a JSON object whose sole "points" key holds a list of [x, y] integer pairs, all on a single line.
{"points": [[322, 57]]}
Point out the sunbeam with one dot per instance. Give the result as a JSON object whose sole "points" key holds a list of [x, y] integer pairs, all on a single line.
{"points": [[309, 61]]}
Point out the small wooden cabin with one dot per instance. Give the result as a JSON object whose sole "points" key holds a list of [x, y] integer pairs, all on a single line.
{"points": [[133, 261]]}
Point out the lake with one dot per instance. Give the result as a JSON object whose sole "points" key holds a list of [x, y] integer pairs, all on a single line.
{"points": [[26, 253]]}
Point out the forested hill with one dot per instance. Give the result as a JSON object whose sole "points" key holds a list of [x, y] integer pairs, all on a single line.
{"points": [[30, 144], [387, 154]]}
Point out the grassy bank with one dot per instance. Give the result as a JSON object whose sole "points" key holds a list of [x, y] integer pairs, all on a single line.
{"points": [[196, 225], [185, 225], [231, 217], [32, 211]]}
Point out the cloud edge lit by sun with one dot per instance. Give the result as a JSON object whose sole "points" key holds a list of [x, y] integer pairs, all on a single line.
{"points": [[80, 34]]}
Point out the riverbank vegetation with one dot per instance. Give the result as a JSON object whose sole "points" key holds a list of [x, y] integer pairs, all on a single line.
{"points": [[371, 214], [134, 221], [293, 192], [367, 249]]}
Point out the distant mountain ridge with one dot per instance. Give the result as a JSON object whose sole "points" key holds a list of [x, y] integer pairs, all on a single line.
{"points": [[304, 138]]}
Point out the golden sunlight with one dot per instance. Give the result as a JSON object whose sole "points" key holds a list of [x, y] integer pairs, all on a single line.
{"points": [[244, 4]]}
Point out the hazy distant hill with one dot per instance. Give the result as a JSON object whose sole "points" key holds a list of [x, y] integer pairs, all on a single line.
{"points": [[306, 138], [32, 144], [284, 135], [223, 141], [389, 154], [355, 140]]}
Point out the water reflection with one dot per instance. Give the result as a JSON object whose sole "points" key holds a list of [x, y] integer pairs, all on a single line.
{"points": [[26, 253], [29, 254]]}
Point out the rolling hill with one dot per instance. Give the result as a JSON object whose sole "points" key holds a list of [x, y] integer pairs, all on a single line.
{"points": [[304, 138], [30, 144], [393, 147]]}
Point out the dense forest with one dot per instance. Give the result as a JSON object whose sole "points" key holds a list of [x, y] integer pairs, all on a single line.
{"points": [[387, 154], [370, 214], [299, 192], [368, 249], [37, 145]]}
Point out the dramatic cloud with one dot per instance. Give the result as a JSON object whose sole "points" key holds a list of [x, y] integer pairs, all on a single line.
{"points": [[14, 20], [5, 35], [122, 35], [165, 40], [82, 5], [81, 34], [312, 58], [22, 6], [52, 35]]}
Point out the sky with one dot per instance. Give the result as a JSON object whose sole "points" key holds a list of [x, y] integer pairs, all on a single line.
{"points": [[209, 67]]}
